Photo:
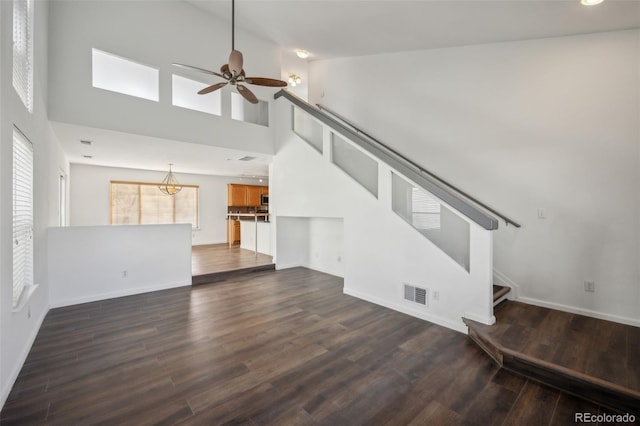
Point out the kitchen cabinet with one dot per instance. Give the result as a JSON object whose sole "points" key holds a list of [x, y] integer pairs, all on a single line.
{"points": [[237, 195], [245, 195], [233, 231], [253, 195]]}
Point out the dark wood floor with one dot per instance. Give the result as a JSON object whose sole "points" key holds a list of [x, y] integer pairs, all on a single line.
{"points": [[603, 349], [215, 258], [285, 347]]}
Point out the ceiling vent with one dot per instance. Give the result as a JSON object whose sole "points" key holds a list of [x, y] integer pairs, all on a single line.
{"points": [[247, 158], [85, 142], [416, 294]]}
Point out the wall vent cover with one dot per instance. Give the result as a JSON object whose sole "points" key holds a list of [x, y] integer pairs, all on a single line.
{"points": [[247, 158], [415, 294]]}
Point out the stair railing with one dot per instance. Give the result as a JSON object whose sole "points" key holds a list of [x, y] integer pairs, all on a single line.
{"points": [[455, 197]]}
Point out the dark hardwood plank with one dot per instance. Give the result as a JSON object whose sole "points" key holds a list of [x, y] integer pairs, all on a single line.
{"points": [[285, 347]]}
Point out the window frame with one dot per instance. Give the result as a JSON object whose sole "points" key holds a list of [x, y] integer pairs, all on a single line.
{"points": [[157, 185], [23, 273], [23, 34]]}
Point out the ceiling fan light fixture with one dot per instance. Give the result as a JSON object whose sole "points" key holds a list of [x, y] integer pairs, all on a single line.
{"points": [[302, 54], [590, 2], [233, 72]]}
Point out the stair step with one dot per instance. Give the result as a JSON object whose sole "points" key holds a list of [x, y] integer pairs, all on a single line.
{"points": [[499, 292], [593, 389], [225, 275]]}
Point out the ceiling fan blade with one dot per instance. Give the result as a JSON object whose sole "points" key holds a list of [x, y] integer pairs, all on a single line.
{"points": [[212, 88], [261, 81], [247, 94], [235, 62], [189, 67]]}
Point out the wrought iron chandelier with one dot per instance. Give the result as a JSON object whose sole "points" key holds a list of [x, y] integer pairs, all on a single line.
{"points": [[170, 185]]}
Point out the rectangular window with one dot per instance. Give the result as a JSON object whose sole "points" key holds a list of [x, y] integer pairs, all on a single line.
{"points": [[134, 203], [184, 93], [22, 214], [362, 168], [250, 113], [307, 128], [23, 51], [431, 218], [117, 74]]}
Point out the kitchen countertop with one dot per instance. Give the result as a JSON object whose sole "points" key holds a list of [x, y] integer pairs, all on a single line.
{"points": [[248, 214]]}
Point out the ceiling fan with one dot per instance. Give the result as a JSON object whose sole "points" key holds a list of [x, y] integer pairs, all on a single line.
{"points": [[233, 72]]}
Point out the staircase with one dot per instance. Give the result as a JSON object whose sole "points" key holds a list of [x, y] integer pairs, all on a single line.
{"points": [[499, 294], [593, 359]]}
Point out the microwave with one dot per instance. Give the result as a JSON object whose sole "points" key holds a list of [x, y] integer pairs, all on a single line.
{"points": [[264, 200]]}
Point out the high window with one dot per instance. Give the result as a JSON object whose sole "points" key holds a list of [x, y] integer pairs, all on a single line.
{"points": [[134, 203], [22, 215], [184, 94], [23, 51], [118, 74]]}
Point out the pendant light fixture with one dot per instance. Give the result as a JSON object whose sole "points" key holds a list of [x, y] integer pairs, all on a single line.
{"points": [[170, 185]]}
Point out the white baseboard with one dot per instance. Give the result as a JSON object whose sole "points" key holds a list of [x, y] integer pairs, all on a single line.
{"points": [[481, 319], [515, 294], [6, 387], [580, 311], [445, 322], [280, 266], [114, 294]]}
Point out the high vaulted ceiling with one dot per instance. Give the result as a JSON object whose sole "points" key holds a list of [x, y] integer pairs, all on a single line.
{"points": [[343, 28], [332, 28]]}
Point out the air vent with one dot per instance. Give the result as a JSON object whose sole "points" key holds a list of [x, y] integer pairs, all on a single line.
{"points": [[87, 156], [247, 158], [416, 294], [85, 142]]}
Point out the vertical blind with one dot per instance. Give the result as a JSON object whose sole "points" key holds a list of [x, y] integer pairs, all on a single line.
{"points": [[22, 214], [23, 51]]}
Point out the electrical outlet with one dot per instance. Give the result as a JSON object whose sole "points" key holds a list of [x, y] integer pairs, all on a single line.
{"points": [[124, 274], [435, 294], [542, 213], [339, 258], [590, 286]]}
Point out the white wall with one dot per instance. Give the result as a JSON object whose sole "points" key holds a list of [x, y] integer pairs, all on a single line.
{"points": [[313, 242], [326, 221], [156, 34], [18, 329], [90, 263], [90, 199], [547, 124]]}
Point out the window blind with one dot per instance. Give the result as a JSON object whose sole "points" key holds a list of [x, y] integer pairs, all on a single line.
{"points": [[22, 214], [135, 203], [23, 51]]}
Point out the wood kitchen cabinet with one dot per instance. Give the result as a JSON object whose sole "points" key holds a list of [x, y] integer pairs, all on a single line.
{"points": [[233, 231], [253, 195], [245, 195], [237, 195]]}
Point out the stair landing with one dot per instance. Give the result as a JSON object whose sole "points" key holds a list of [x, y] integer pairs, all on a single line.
{"points": [[594, 359]]}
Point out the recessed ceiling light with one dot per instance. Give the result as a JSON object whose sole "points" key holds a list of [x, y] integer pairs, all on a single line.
{"points": [[590, 2], [302, 54]]}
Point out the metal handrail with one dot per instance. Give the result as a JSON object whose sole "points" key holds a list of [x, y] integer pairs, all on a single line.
{"points": [[506, 219], [465, 204]]}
